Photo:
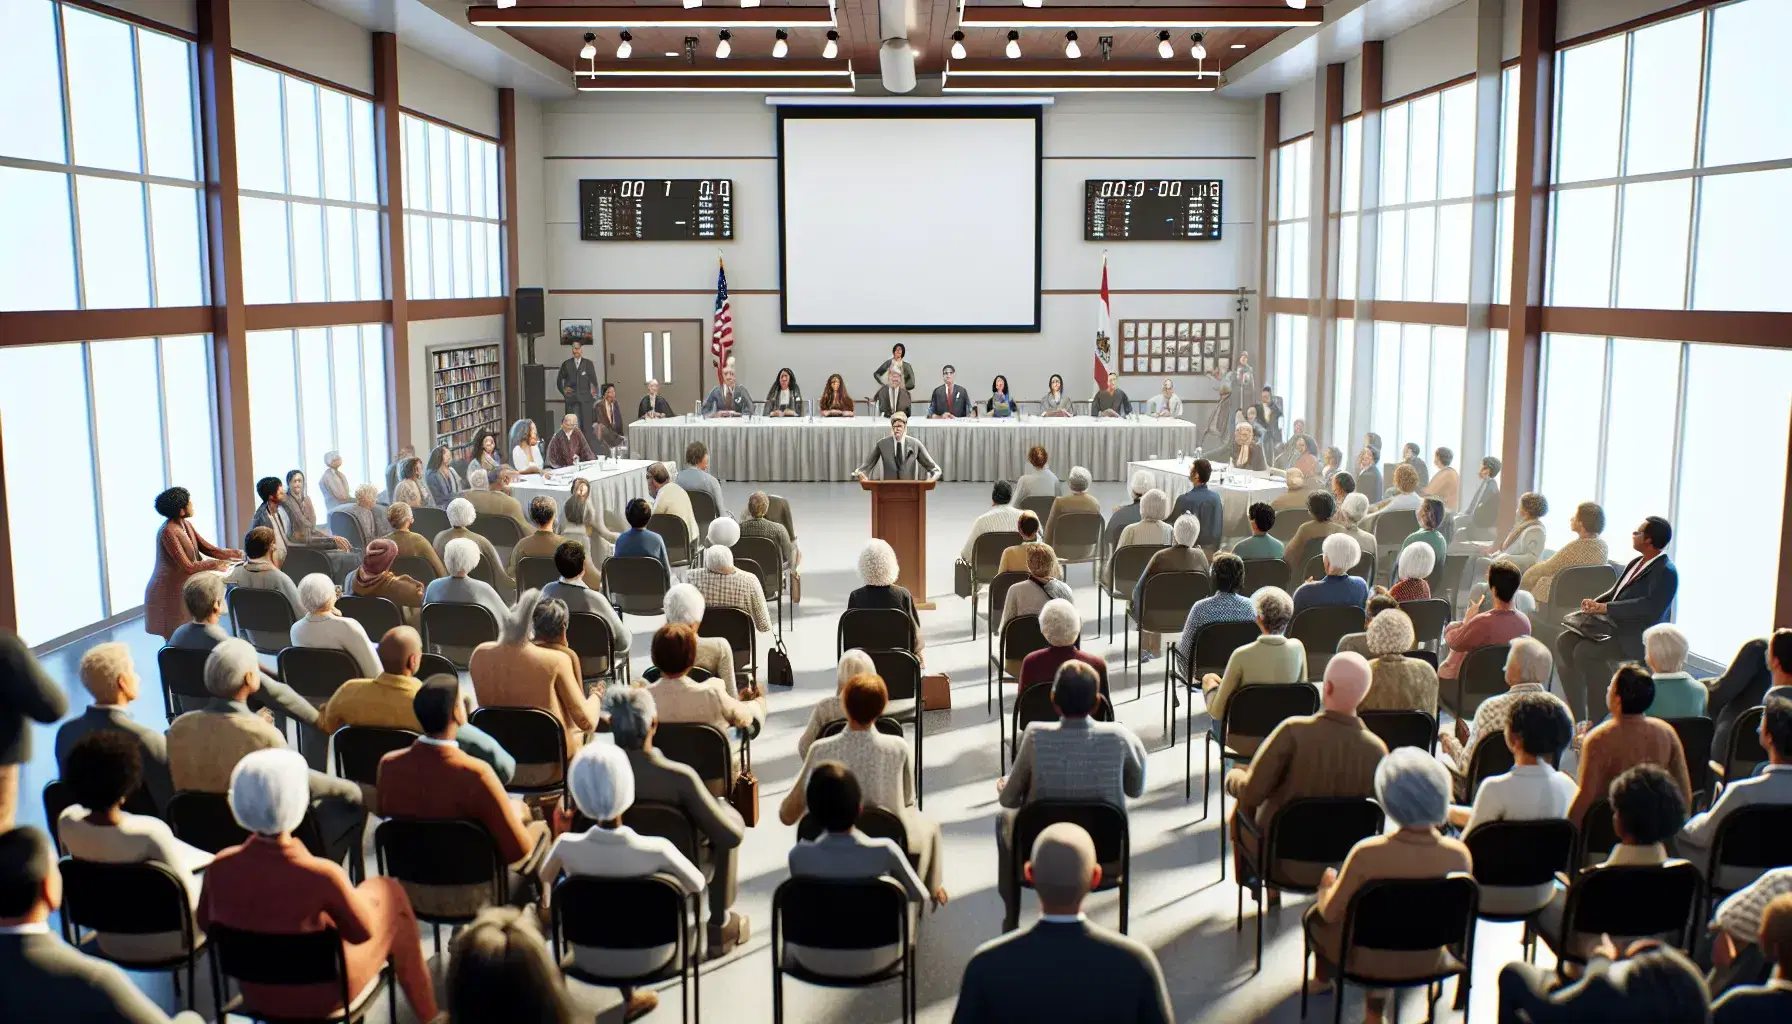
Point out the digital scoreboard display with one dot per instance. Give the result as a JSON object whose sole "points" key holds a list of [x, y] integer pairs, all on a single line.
{"points": [[656, 209], [1151, 210]]}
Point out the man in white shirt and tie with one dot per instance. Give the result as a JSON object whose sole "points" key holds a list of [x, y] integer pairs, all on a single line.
{"points": [[903, 457]]}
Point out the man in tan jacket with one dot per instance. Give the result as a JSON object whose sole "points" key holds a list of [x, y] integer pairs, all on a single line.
{"points": [[1077, 500], [411, 545], [543, 542], [493, 498], [512, 672], [1312, 533]]}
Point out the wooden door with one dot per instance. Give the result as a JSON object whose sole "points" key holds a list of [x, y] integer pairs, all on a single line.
{"points": [[670, 351]]}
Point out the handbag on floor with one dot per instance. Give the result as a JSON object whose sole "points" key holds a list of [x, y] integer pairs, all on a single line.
{"points": [[745, 794], [777, 667], [961, 578]]}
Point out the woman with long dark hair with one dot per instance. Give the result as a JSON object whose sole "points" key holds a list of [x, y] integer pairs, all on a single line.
{"points": [[834, 399], [1055, 402], [785, 397], [485, 454], [1000, 403], [444, 485]]}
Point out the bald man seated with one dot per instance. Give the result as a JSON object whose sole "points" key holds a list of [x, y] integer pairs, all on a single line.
{"points": [[1064, 968]]}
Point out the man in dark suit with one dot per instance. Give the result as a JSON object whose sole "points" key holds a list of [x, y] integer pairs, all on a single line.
{"points": [[1642, 597], [893, 398], [1481, 512], [1368, 472], [902, 457], [653, 406], [1205, 504], [577, 381], [950, 400], [1064, 968], [1742, 686], [1269, 413], [43, 977], [1648, 982]]}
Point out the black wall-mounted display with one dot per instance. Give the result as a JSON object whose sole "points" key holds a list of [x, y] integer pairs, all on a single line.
{"points": [[1151, 210], [656, 209]]}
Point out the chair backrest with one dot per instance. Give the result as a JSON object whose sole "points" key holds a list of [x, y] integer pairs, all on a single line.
{"points": [[637, 584], [440, 852], [1105, 823], [1483, 675], [1490, 757], [359, 749], [416, 567], [315, 673], [1402, 728], [1077, 535], [1318, 830], [376, 615], [874, 629], [677, 535], [1040, 505], [534, 572], [204, 820], [668, 821], [735, 626], [769, 562], [1265, 572], [901, 673], [780, 512], [1215, 642], [1633, 899], [618, 913], [1429, 617], [1395, 525], [183, 678], [1453, 567], [1128, 564], [1518, 853], [449, 624], [263, 611], [1021, 637], [305, 958], [1033, 705], [589, 637], [1598, 836], [530, 735], [887, 726], [58, 797], [1758, 836], [501, 530], [484, 570], [302, 562], [1288, 521], [1167, 597], [998, 591], [1320, 629], [427, 521], [1428, 657], [701, 746], [986, 554], [845, 915], [125, 899], [875, 822], [703, 509], [1257, 709], [1411, 915], [1696, 735], [1577, 583], [435, 664], [348, 528]]}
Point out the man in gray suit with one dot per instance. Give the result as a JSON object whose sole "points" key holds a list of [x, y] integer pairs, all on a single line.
{"points": [[107, 673], [727, 398], [1104, 975], [903, 457], [893, 398], [1772, 786]]}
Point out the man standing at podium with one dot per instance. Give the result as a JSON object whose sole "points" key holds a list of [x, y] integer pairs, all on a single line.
{"points": [[903, 457]]}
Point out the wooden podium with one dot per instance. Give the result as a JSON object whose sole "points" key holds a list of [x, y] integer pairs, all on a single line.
{"points": [[899, 519]]}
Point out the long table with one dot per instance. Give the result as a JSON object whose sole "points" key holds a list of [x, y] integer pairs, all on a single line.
{"points": [[1238, 488], [613, 483], [975, 450]]}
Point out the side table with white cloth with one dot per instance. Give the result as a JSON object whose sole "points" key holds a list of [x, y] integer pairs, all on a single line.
{"points": [[613, 483], [1238, 487]]}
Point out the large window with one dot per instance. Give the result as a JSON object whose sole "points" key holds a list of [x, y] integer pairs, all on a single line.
{"points": [[129, 419], [1669, 193], [1289, 234], [1419, 388], [452, 213], [310, 203], [1350, 200], [1640, 427], [1343, 372], [318, 390], [1427, 180], [100, 194], [1288, 370]]}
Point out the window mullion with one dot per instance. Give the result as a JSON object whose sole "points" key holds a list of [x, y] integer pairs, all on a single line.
{"points": [[99, 495]]}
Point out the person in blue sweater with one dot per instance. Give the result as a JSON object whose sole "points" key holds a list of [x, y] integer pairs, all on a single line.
{"points": [[1338, 587], [638, 539]]}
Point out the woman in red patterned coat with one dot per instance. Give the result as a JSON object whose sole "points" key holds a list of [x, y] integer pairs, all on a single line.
{"points": [[179, 548]]}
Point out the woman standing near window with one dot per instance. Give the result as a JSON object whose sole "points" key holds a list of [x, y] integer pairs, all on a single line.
{"points": [[178, 551]]}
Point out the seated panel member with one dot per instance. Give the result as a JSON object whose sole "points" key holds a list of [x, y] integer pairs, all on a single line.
{"points": [[950, 400], [727, 399], [785, 397], [653, 406], [1111, 401], [893, 398], [1165, 403], [834, 399], [569, 446], [902, 457], [1000, 402], [1055, 402]]}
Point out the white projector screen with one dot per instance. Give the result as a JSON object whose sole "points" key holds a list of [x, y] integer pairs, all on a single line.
{"points": [[898, 219]]}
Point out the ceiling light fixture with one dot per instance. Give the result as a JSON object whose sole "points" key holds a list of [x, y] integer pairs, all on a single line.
{"points": [[1032, 3], [781, 48], [1199, 50], [626, 48], [724, 48], [506, 3], [1013, 47], [749, 3], [1238, 46], [1086, 19], [589, 50], [691, 5], [1071, 50], [832, 49], [958, 46], [1299, 5], [1164, 49]]}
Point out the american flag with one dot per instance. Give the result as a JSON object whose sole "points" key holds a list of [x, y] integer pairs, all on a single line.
{"points": [[721, 336]]}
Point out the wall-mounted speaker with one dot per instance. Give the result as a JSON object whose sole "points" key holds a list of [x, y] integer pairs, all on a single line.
{"points": [[531, 311]]}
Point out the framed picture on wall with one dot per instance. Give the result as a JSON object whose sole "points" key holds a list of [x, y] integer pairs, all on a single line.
{"points": [[575, 332]]}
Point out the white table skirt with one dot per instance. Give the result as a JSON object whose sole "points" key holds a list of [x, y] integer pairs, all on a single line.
{"points": [[611, 487], [1171, 476], [973, 450]]}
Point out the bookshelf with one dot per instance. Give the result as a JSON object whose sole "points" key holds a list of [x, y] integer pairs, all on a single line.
{"points": [[466, 392]]}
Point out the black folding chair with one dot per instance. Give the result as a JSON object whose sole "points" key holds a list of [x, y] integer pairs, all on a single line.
{"points": [[435, 665], [205, 820], [1512, 854], [589, 637], [1429, 617], [438, 862], [997, 599], [1626, 899], [1446, 580], [1490, 757], [501, 530], [703, 509], [534, 572], [316, 673], [377, 615], [1253, 710], [1263, 572], [636, 584], [348, 528], [1163, 606], [1404, 915], [874, 629], [901, 674], [1320, 629], [1125, 567], [359, 749], [1288, 521], [1076, 540], [1696, 735], [704, 748], [770, 569], [631, 914], [307, 958], [260, 612], [986, 557], [456, 627], [1107, 826], [736, 626], [1020, 637], [839, 915], [1419, 654], [680, 545], [1750, 841], [131, 899], [183, 679], [1392, 527], [1598, 836], [302, 562], [1403, 728], [1214, 644], [533, 737], [418, 568], [1570, 587], [1481, 675], [427, 521], [1035, 705], [1313, 830], [1040, 505]]}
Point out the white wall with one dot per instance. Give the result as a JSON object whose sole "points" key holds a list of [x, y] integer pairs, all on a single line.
{"points": [[1085, 136], [440, 91], [304, 38], [1353, 85], [531, 214], [1430, 53], [1579, 17], [425, 334], [181, 14], [1297, 110]]}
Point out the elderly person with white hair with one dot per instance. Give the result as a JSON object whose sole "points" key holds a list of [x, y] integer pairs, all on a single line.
{"points": [[1076, 499], [512, 672], [325, 627], [1414, 791], [460, 558], [878, 570], [1338, 587], [461, 514], [1029, 596], [333, 482], [1062, 626], [1400, 683], [1528, 668], [715, 655], [1151, 529], [272, 885], [1349, 514], [1677, 693], [724, 586], [363, 508], [1271, 658], [827, 710], [1125, 515], [1413, 571], [1183, 555], [602, 784]]}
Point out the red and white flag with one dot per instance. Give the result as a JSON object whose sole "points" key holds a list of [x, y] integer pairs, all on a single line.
{"points": [[721, 335], [1104, 332]]}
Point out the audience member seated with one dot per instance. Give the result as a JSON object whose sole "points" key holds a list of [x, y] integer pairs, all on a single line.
{"points": [[569, 446], [1271, 658], [433, 779], [542, 541], [375, 577], [1642, 597], [439, 474], [1744, 683], [1412, 572], [759, 524], [180, 553], [695, 475], [461, 514], [658, 779], [715, 655], [1677, 693], [1379, 601], [460, 558], [1259, 544], [525, 452], [1414, 791], [1338, 587], [1331, 464], [1431, 517], [1001, 517], [1735, 958], [1587, 547], [1480, 627], [1225, 604], [326, 628], [724, 586], [1405, 496], [1205, 504], [1528, 668], [272, 885], [1183, 555], [497, 500], [1399, 683], [500, 970], [1482, 508], [411, 544], [1074, 758], [1152, 527], [878, 570], [1062, 627], [1041, 482], [103, 770], [365, 512], [1445, 484], [638, 541], [1014, 557], [1115, 977], [829, 709], [884, 768], [1245, 451], [1076, 499], [575, 590], [1648, 809], [1123, 516], [108, 675], [547, 630], [1628, 738], [296, 527], [678, 698], [603, 787], [585, 521], [1296, 494], [1028, 596], [43, 977], [1328, 754], [333, 482], [1351, 510], [512, 672], [260, 570], [1647, 981], [1772, 786], [1321, 506], [1772, 1002], [669, 499], [1368, 472], [1537, 728], [204, 598]]}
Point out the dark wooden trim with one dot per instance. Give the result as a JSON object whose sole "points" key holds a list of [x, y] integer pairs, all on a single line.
{"points": [[1665, 14], [1292, 140], [296, 73], [1216, 16], [448, 309], [1782, 611], [1441, 314], [1428, 90], [1530, 230], [1374, 80], [285, 316], [1273, 304], [229, 321], [432, 119], [9, 605], [1496, 318], [1344, 309], [550, 16], [48, 326], [1266, 271], [388, 145], [512, 276], [630, 156], [1322, 323], [1129, 291], [133, 18], [1712, 327]]}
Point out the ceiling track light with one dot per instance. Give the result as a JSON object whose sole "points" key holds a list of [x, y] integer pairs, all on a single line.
{"points": [[1013, 47], [958, 46], [1199, 50], [781, 48], [832, 49], [1299, 5], [1072, 50], [625, 48], [1032, 3], [749, 3], [589, 50], [724, 47], [691, 5], [1164, 49]]}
